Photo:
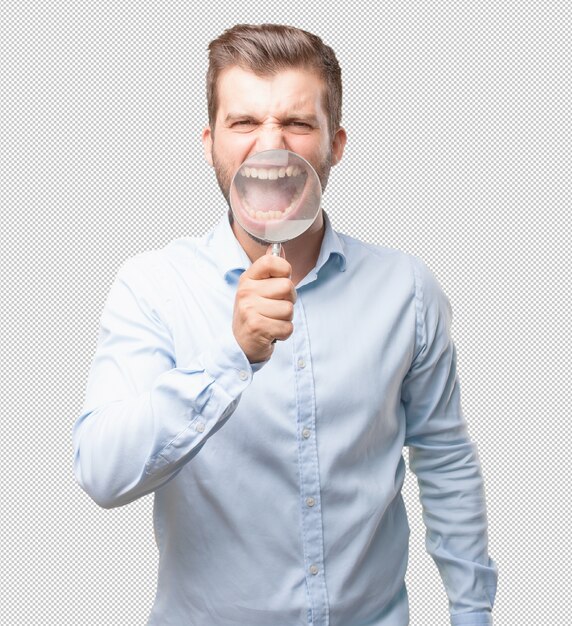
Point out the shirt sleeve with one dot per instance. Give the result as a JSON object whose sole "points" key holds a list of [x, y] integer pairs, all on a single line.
{"points": [[143, 418], [445, 461]]}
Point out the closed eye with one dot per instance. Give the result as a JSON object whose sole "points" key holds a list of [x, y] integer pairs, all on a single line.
{"points": [[292, 124]]}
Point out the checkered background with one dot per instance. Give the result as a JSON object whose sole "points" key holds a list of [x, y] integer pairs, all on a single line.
{"points": [[459, 150]]}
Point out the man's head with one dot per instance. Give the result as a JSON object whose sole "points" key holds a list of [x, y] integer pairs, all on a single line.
{"points": [[268, 87]]}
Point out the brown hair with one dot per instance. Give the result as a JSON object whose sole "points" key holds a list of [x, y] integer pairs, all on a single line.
{"points": [[267, 48]]}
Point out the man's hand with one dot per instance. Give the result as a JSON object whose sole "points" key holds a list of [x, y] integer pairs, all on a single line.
{"points": [[264, 306]]}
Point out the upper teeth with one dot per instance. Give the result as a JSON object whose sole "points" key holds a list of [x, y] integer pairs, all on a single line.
{"points": [[271, 173]]}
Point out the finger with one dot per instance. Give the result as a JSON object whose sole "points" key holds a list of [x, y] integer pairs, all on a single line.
{"points": [[275, 309], [275, 289], [268, 266], [280, 329]]}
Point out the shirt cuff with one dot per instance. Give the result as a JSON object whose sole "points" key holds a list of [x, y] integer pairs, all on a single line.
{"points": [[229, 366], [256, 366], [472, 619]]}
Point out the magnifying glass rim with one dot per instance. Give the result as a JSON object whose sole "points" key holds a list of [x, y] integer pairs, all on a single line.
{"points": [[235, 213]]}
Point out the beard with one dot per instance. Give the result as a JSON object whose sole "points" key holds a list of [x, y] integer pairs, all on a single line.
{"points": [[223, 176]]}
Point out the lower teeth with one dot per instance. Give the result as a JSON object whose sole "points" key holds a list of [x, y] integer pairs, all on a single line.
{"points": [[270, 215]]}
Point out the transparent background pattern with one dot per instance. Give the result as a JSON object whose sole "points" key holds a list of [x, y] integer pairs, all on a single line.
{"points": [[459, 151]]}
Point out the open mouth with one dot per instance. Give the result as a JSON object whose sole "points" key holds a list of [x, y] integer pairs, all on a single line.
{"points": [[270, 193]]}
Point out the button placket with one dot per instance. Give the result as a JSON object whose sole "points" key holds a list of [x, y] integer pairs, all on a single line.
{"points": [[311, 514]]}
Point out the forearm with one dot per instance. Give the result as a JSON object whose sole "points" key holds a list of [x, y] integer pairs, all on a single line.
{"points": [[126, 448], [454, 512]]}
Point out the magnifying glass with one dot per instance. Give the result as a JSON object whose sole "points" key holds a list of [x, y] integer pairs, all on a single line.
{"points": [[275, 196]]}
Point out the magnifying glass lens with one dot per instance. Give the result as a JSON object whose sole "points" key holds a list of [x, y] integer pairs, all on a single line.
{"points": [[275, 195]]}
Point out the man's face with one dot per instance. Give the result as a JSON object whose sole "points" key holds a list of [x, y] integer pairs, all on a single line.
{"points": [[283, 111]]}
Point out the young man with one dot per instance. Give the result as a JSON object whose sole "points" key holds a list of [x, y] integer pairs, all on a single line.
{"points": [[277, 467]]}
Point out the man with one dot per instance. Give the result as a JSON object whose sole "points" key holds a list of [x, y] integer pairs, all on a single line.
{"points": [[277, 466]]}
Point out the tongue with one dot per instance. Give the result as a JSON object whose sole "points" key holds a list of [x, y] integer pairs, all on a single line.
{"points": [[269, 196]]}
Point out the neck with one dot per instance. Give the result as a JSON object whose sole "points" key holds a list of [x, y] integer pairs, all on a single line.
{"points": [[302, 252]]}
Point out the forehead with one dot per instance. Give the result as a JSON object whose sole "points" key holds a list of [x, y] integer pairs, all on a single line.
{"points": [[292, 90]]}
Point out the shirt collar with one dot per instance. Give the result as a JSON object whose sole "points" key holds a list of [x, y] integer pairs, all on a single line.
{"points": [[231, 259]]}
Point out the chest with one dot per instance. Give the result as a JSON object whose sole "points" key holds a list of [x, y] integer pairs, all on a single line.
{"points": [[352, 345]]}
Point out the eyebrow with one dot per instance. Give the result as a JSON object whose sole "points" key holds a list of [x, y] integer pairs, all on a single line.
{"points": [[303, 117]]}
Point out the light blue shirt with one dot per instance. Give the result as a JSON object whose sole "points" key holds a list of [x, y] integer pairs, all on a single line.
{"points": [[277, 486]]}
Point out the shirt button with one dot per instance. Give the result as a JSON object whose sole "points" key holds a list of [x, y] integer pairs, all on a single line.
{"points": [[313, 569], [301, 363], [200, 427], [306, 433], [310, 501], [243, 375]]}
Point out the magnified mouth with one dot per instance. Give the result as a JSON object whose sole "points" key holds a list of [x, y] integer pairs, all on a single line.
{"points": [[270, 193]]}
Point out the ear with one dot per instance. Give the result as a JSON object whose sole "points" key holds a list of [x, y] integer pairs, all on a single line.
{"points": [[208, 144], [338, 145]]}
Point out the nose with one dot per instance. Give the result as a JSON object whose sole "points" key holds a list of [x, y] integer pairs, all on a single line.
{"points": [[270, 137]]}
